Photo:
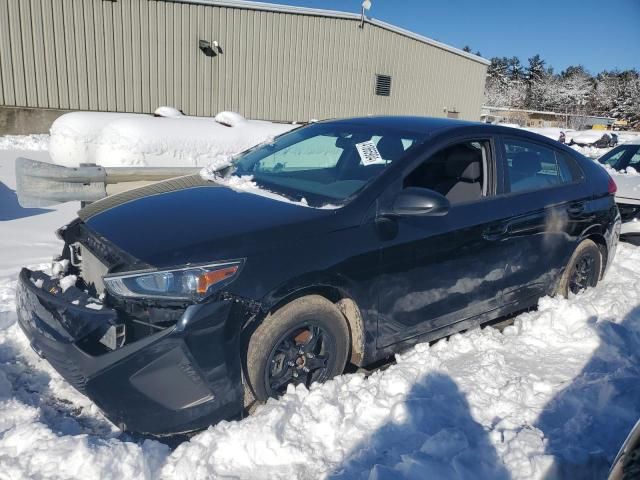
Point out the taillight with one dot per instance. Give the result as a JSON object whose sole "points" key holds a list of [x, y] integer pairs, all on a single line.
{"points": [[613, 188]]}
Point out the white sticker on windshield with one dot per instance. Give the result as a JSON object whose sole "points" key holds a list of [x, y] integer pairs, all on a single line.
{"points": [[369, 153]]}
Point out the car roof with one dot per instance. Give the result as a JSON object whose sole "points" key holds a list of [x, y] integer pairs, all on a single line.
{"points": [[411, 123], [429, 125]]}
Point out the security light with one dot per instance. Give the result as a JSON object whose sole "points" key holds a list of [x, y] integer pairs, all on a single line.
{"points": [[366, 5], [205, 46]]}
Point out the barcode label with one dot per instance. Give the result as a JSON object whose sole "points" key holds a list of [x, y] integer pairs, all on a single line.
{"points": [[369, 153]]}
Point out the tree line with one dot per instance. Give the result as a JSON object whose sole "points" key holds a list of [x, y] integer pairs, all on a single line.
{"points": [[535, 86]]}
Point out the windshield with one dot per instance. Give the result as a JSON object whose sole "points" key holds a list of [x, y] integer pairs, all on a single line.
{"points": [[325, 163]]}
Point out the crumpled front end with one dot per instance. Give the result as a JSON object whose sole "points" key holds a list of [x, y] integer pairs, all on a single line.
{"points": [[151, 367]]}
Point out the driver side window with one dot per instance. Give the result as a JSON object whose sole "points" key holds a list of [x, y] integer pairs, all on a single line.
{"points": [[458, 172]]}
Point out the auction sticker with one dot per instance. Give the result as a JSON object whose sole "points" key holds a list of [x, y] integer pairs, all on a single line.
{"points": [[368, 152]]}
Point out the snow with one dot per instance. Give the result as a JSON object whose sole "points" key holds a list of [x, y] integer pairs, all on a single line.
{"points": [[167, 112], [229, 119], [60, 267], [115, 139], [67, 282], [552, 396]]}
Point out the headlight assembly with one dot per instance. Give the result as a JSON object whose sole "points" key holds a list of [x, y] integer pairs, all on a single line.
{"points": [[188, 283]]}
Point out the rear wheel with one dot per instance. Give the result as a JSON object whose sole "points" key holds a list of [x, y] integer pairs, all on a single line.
{"points": [[583, 270], [304, 342]]}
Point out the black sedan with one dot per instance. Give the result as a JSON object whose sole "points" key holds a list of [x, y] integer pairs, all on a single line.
{"points": [[342, 241]]}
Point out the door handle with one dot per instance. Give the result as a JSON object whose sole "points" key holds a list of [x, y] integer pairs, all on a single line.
{"points": [[575, 208], [495, 232]]}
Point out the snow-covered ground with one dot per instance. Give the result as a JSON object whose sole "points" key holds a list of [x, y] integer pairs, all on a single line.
{"points": [[552, 396]]}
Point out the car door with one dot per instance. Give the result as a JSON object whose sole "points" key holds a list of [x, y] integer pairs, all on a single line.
{"points": [[439, 270], [619, 157], [632, 159], [549, 206]]}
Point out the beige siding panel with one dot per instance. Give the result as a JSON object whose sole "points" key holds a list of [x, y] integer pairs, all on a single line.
{"points": [[126, 40], [93, 57], [26, 32], [183, 65], [6, 61], [17, 58], [144, 50], [163, 53], [201, 62], [194, 55], [70, 54], [111, 62], [175, 56], [134, 55], [60, 55], [153, 50], [119, 55], [81, 55], [38, 47], [100, 64], [136, 58]]}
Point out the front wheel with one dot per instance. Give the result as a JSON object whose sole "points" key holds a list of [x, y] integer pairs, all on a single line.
{"points": [[304, 342], [583, 270]]}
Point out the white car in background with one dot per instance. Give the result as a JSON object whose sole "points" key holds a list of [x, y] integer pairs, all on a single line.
{"points": [[624, 165]]}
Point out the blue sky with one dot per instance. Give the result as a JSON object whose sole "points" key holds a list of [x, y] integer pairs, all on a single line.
{"points": [[599, 34]]}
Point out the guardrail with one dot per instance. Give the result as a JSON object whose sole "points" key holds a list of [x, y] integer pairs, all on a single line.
{"points": [[41, 184]]}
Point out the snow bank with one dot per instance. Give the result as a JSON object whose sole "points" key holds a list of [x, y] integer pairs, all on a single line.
{"points": [[76, 135], [550, 392], [113, 140]]}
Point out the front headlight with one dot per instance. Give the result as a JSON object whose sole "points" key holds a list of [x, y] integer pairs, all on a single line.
{"points": [[188, 283]]}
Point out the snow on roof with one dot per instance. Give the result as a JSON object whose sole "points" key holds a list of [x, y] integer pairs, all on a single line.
{"points": [[319, 12]]}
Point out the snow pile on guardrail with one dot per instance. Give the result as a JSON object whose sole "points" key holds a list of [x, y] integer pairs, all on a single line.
{"points": [[118, 139]]}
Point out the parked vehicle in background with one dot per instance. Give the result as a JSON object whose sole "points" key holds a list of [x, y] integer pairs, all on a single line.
{"points": [[626, 466], [346, 240], [626, 158], [594, 138]]}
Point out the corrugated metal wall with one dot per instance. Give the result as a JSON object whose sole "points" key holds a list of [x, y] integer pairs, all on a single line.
{"points": [[134, 55]]}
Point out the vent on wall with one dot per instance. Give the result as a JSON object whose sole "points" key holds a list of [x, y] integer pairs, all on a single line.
{"points": [[383, 85]]}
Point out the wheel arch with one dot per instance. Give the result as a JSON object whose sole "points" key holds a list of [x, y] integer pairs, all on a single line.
{"points": [[596, 236], [341, 299]]}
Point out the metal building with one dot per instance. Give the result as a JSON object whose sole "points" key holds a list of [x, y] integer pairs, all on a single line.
{"points": [[265, 61]]}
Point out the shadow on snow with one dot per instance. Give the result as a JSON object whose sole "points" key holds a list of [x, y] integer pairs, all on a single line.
{"points": [[10, 209], [586, 423], [438, 439]]}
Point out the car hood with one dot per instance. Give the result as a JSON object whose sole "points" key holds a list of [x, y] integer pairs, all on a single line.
{"points": [[190, 220]]}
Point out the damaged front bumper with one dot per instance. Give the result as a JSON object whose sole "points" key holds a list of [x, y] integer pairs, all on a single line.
{"points": [[179, 379]]}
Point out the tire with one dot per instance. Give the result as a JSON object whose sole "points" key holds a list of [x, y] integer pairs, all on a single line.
{"points": [[304, 342], [583, 270]]}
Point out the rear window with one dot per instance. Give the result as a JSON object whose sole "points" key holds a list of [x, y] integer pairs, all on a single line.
{"points": [[532, 166]]}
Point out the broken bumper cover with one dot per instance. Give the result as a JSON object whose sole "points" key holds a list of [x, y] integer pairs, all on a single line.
{"points": [[180, 379]]}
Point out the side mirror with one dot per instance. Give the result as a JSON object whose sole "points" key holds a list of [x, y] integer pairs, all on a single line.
{"points": [[420, 201]]}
